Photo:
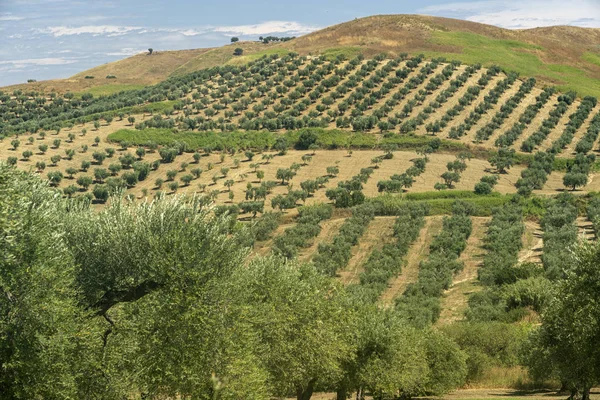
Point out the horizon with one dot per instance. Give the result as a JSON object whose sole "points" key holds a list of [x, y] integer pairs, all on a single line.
{"points": [[57, 39]]}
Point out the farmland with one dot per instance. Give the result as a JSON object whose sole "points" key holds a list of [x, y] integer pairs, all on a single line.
{"points": [[436, 204]]}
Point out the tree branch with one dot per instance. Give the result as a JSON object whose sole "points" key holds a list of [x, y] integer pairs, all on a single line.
{"points": [[114, 297]]}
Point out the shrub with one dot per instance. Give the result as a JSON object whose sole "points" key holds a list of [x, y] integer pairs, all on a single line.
{"points": [[101, 193]]}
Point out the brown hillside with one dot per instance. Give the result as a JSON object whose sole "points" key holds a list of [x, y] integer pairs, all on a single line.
{"points": [[143, 68], [554, 55], [140, 69]]}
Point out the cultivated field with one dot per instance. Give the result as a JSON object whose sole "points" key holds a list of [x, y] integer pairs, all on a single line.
{"points": [[393, 176]]}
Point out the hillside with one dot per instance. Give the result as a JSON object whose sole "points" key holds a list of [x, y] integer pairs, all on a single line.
{"points": [[563, 56], [425, 191], [358, 104]]}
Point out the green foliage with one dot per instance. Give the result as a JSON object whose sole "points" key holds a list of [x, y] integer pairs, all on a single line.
{"points": [[419, 304], [503, 243], [307, 227], [385, 263], [565, 346], [41, 327], [264, 226], [487, 345], [332, 256], [301, 323], [560, 233]]}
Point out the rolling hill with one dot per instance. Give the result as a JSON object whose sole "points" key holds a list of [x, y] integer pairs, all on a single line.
{"points": [[565, 56]]}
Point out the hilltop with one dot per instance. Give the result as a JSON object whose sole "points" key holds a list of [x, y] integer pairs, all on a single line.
{"points": [[562, 55]]}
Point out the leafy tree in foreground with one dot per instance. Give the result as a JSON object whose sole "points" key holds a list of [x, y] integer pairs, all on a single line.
{"points": [[301, 323], [170, 334], [38, 327], [566, 344]]}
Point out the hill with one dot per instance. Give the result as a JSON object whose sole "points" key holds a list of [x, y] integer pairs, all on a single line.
{"points": [[564, 56], [394, 176]]}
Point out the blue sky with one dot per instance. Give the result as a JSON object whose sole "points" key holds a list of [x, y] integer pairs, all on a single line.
{"points": [[45, 39]]}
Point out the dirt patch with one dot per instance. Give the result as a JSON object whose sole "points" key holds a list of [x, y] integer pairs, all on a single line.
{"points": [[533, 243], [454, 301]]}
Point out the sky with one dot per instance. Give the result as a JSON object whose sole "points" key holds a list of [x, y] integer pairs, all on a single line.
{"points": [[47, 39]]}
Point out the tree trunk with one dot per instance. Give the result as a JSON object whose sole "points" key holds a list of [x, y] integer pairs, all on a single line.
{"points": [[359, 394], [585, 395], [306, 393], [342, 393]]}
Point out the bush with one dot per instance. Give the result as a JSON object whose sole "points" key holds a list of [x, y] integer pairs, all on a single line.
{"points": [[101, 193], [490, 344], [264, 226]]}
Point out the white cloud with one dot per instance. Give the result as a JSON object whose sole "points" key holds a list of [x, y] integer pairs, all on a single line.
{"points": [[289, 27], [10, 17], [128, 51], [37, 61], [515, 14], [96, 30]]}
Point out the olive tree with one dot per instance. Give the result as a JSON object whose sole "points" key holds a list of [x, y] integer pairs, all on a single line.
{"points": [[565, 345], [41, 321]]}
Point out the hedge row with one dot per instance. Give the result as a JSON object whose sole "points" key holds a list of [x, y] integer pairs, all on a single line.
{"points": [[576, 120], [537, 137], [329, 139], [443, 97], [593, 213], [482, 108], [307, 227], [385, 263], [510, 289], [560, 233], [335, 255], [505, 111], [434, 83], [586, 143], [420, 303], [503, 243], [469, 97], [481, 206], [511, 135]]}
